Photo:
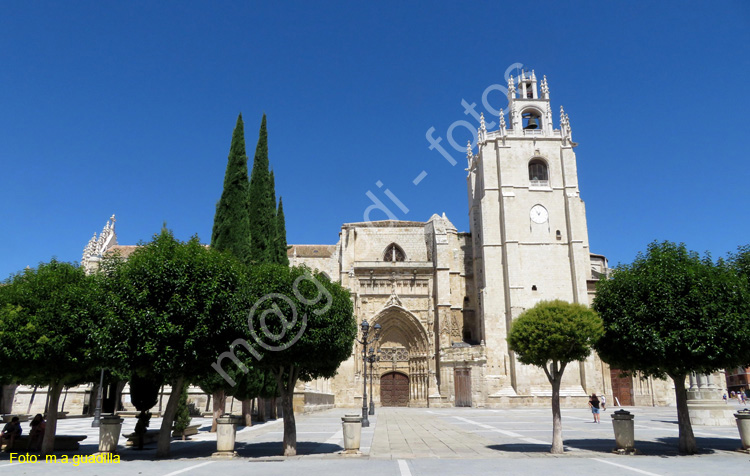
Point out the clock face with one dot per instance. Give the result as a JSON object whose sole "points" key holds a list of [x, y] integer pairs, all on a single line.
{"points": [[539, 214]]}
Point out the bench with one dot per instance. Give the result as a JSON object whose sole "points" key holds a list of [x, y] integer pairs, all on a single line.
{"points": [[155, 414], [190, 430], [21, 418], [62, 443], [151, 436]]}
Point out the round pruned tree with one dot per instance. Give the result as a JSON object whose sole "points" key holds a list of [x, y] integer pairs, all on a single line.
{"points": [[301, 327], [175, 307], [50, 322], [671, 313], [550, 335]]}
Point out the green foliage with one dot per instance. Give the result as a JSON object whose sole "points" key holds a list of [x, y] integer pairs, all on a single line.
{"points": [[262, 205], [672, 312], [281, 247], [50, 325], [740, 261], [144, 391], [175, 306], [322, 334], [231, 230], [556, 331], [257, 382], [182, 418]]}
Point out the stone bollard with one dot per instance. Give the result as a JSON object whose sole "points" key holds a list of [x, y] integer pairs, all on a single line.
{"points": [[109, 433], [743, 424], [623, 424], [226, 430], [352, 433]]}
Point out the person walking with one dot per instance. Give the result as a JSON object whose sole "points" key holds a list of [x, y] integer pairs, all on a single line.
{"points": [[604, 403], [594, 405]]}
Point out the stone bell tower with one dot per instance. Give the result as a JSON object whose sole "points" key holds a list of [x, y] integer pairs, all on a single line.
{"points": [[528, 226]]}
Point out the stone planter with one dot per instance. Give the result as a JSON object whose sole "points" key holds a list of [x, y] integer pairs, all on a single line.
{"points": [[352, 433], [743, 424], [109, 433], [624, 426], [226, 430]]}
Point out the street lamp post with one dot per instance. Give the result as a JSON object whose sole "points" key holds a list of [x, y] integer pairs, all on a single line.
{"points": [[365, 342], [372, 358]]}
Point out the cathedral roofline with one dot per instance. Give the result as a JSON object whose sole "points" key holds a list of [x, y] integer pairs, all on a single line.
{"points": [[384, 224]]}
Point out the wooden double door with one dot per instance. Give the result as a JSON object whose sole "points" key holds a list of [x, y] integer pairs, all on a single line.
{"points": [[622, 388], [394, 390], [462, 379]]}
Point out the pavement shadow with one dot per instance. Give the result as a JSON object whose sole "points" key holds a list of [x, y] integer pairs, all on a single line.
{"points": [[272, 449], [521, 448], [706, 445], [598, 445]]}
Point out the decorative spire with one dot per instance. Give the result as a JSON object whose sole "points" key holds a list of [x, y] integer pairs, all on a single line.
{"points": [[469, 153], [533, 76], [545, 87], [562, 116], [482, 126], [523, 75], [502, 120], [511, 86]]}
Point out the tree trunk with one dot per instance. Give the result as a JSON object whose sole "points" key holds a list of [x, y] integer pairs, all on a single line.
{"points": [[687, 443], [9, 393], [165, 433], [31, 402], [286, 388], [220, 404], [261, 409], [62, 407], [120, 386], [290, 426], [557, 439], [274, 409], [48, 443], [247, 412]]}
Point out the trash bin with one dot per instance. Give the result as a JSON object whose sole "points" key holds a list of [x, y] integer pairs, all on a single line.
{"points": [[623, 424], [109, 433], [352, 433], [743, 424], [226, 431]]}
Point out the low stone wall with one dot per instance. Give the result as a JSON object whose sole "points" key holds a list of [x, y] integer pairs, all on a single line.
{"points": [[711, 413], [309, 401], [507, 401]]}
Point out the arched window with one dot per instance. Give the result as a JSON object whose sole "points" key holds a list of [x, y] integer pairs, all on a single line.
{"points": [[538, 175], [393, 253]]}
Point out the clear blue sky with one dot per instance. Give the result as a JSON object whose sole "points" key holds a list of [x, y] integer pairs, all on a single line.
{"points": [[128, 108]]}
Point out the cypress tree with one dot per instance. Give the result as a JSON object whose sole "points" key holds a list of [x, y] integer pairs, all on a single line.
{"points": [[281, 236], [273, 231], [231, 230], [262, 213]]}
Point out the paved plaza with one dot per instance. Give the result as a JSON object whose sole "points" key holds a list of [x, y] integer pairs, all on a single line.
{"points": [[423, 441]]}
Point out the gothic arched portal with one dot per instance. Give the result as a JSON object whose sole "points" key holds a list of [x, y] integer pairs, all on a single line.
{"points": [[403, 350]]}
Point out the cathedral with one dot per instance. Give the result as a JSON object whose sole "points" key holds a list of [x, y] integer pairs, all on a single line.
{"points": [[445, 299]]}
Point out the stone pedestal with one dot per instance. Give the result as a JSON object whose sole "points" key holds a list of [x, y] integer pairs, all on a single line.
{"points": [[710, 413], [352, 433], [109, 433], [226, 431], [624, 426], [743, 424]]}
